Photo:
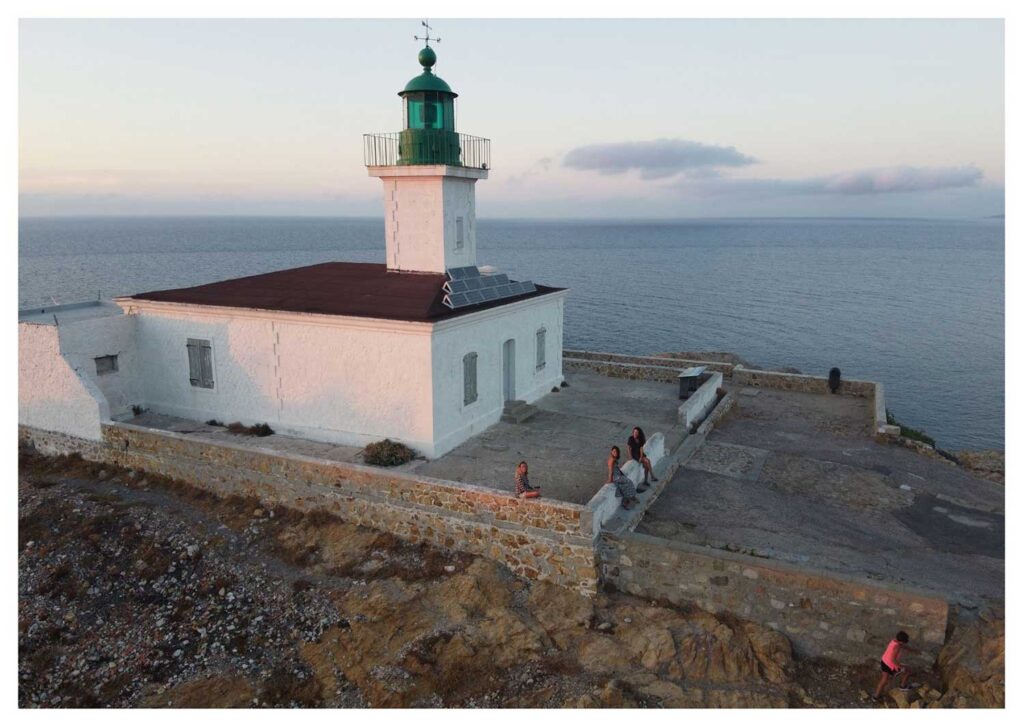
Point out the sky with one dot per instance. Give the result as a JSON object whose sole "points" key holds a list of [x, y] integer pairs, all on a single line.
{"points": [[588, 118]]}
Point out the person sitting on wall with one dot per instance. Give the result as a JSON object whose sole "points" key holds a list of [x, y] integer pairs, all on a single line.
{"points": [[635, 445], [623, 485], [891, 666], [523, 488]]}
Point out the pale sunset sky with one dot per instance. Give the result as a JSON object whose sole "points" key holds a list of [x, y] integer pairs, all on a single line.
{"points": [[588, 118]]}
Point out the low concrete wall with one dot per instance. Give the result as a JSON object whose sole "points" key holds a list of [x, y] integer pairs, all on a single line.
{"points": [[694, 409], [845, 619], [677, 363], [883, 429]]}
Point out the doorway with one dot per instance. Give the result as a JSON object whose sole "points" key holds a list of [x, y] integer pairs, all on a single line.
{"points": [[508, 369]]}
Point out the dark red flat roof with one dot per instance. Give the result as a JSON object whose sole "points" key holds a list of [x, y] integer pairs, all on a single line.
{"points": [[366, 290]]}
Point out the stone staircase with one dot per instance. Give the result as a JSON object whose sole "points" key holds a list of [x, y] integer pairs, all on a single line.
{"points": [[517, 412]]}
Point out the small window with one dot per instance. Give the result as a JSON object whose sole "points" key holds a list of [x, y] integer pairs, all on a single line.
{"points": [[459, 232], [200, 363], [469, 378], [105, 365], [542, 348]]}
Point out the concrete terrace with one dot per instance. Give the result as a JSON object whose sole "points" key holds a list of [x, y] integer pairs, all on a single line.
{"points": [[797, 477], [566, 442]]}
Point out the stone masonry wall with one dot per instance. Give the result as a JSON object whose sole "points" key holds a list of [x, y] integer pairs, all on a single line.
{"points": [[543, 540], [634, 372], [800, 382], [676, 363], [58, 443], [845, 619]]}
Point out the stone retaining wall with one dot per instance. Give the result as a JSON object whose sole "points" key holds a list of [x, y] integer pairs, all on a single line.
{"points": [[721, 409], [634, 372], [800, 382], [845, 619], [677, 363], [58, 443], [544, 540]]}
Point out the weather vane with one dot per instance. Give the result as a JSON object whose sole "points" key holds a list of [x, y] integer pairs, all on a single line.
{"points": [[426, 38]]}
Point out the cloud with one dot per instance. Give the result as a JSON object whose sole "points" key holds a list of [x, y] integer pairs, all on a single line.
{"points": [[891, 180], [654, 159], [901, 179]]}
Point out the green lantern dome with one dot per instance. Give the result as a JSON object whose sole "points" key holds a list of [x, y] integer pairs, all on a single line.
{"points": [[427, 81]]}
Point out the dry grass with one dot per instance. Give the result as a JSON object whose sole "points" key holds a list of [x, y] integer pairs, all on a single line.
{"points": [[387, 453]]}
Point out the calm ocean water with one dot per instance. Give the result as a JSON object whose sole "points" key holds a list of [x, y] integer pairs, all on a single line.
{"points": [[915, 304]]}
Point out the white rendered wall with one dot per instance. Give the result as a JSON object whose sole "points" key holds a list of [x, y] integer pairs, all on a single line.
{"points": [[484, 333], [422, 205], [51, 395], [81, 342], [344, 380]]}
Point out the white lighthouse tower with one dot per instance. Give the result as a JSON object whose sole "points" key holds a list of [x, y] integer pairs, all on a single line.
{"points": [[429, 172]]}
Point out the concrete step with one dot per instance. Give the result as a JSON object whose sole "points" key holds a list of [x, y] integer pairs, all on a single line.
{"points": [[517, 412]]}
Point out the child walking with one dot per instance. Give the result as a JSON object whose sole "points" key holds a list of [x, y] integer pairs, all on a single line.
{"points": [[891, 665]]}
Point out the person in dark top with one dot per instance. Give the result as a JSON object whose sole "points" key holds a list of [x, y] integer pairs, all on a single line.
{"points": [[523, 487], [623, 485], [635, 445]]}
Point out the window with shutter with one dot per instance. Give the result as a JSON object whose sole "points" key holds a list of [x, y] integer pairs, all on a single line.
{"points": [[459, 232], [200, 363], [469, 378], [542, 343]]}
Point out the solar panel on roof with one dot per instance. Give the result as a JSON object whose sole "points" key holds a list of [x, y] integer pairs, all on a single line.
{"points": [[466, 286], [469, 271]]}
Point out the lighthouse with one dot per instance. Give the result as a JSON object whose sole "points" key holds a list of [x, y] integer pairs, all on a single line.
{"points": [[429, 173], [423, 348]]}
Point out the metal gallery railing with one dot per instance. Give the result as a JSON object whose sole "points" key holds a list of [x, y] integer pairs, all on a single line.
{"points": [[426, 146]]}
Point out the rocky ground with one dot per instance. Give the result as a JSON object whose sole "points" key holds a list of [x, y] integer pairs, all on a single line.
{"points": [[139, 591], [987, 463]]}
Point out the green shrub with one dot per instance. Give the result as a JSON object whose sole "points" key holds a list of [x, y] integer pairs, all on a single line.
{"points": [[386, 453], [909, 432]]}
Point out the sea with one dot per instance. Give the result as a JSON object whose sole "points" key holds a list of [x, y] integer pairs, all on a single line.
{"points": [[916, 304]]}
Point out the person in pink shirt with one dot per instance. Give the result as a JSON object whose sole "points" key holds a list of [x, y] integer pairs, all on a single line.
{"points": [[892, 666]]}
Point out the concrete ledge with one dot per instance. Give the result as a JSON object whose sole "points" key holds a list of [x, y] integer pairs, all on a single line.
{"points": [[627, 520], [702, 401], [884, 431]]}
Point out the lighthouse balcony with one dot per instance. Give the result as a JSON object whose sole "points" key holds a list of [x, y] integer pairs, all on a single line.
{"points": [[426, 147]]}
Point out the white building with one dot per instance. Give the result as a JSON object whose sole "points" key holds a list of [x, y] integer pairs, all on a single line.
{"points": [[423, 349]]}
